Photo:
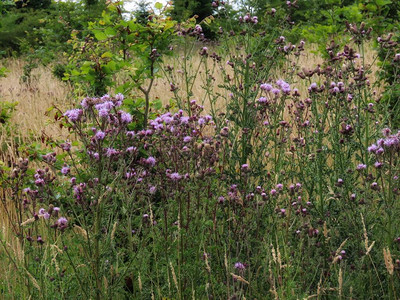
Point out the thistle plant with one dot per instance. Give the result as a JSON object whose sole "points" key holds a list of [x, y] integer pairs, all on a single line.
{"points": [[282, 183]]}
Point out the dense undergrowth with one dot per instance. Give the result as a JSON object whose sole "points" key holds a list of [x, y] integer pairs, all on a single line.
{"points": [[280, 182]]}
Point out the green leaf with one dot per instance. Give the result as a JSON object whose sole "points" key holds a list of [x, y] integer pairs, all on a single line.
{"points": [[158, 5], [110, 32], [112, 66], [371, 7], [169, 25], [208, 223], [106, 54], [383, 2], [75, 73], [100, 35]]}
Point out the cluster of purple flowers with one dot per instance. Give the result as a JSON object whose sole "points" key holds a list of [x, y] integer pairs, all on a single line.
{"points": [[106, 107], [390, 143], [336, 88], [33, 196], [43, 177], [269, 89], [248, 19], [74, 115]]}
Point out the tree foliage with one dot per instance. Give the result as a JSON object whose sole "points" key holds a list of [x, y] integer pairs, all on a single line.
{"points": [[184, 9]]}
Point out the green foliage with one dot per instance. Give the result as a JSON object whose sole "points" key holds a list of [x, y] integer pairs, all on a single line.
{"points": [[6, 6], [3, 71], [14, 28], [142, 13], [6, 110], [388, 50], [127, 48], [41, 32], [34, 4], [184, 9]]}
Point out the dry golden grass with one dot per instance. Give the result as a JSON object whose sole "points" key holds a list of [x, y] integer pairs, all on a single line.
{"points": [[45, 90], [29, 121], [33, 98]]}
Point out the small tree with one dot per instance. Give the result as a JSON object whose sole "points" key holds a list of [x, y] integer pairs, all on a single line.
{"points": [[142, 13]]}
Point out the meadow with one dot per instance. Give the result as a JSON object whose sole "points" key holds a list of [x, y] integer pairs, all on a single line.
{"points": [[151, 162]]}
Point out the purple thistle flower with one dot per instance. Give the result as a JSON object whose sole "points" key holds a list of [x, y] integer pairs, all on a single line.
{"points": [[349, 97], [56, 210], [106, 97], [65, 170], [129, 175], [184, 120], [130, 134], [335, 90], [361, 167], [103, 113], [240, 266], [391, 142], [313, 87], [175, 176], [152, 190], [262, 100], [100, 135], [266, 87], [151, 161], [62, 223], [286, 88], [111, 152], [208, 118], [39, 182], [131, 149], [386, 132], [84, 103], [73, 114], [126, 117], [372, 148], [187, 139], [119, 97], [66, 146], [276, 92], [39, 239]]}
